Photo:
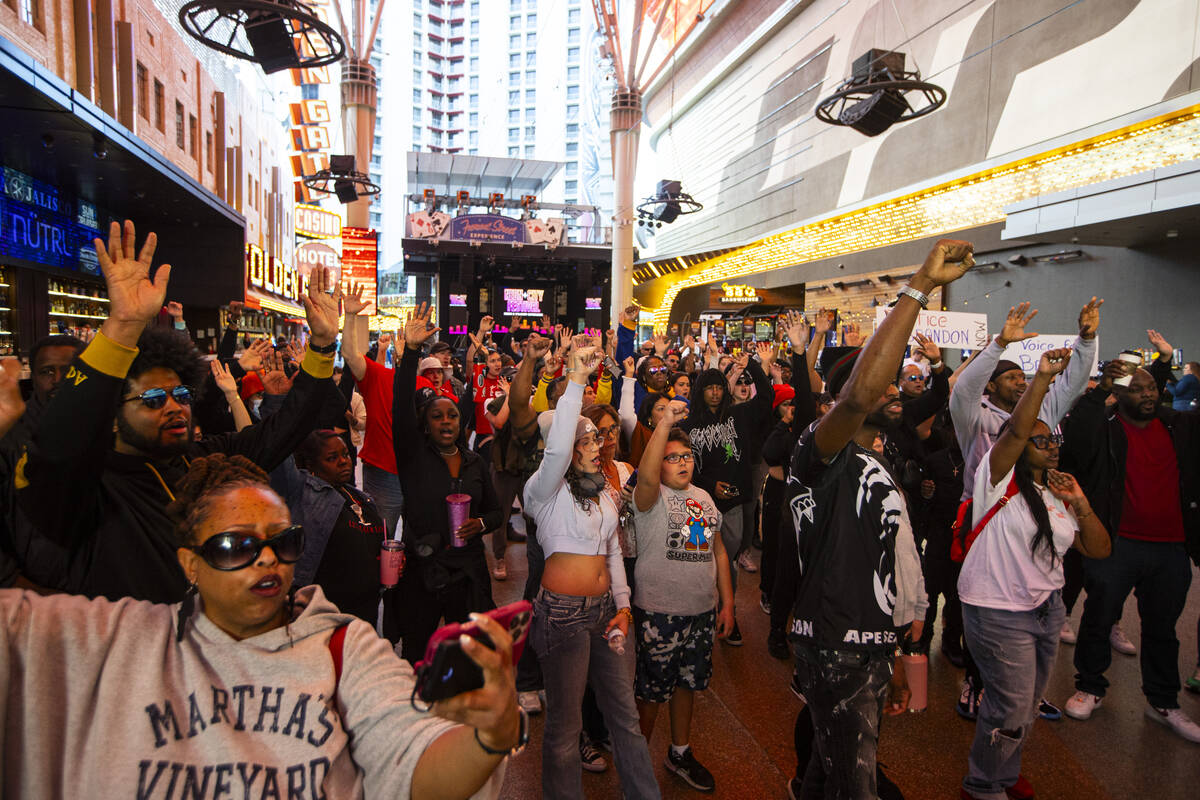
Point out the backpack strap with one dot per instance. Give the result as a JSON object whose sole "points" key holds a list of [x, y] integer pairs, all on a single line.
{"points": [[335, 650], [1009, 493]]}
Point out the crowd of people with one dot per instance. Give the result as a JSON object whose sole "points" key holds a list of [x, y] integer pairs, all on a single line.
{"points": [[188, 545]]}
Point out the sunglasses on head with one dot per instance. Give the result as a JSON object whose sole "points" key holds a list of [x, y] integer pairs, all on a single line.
{"points": [[157, 398], [235, 550], [1044, 442]]}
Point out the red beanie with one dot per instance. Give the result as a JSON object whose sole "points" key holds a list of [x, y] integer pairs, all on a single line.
{"points": [[251, 385], [783, 393]]}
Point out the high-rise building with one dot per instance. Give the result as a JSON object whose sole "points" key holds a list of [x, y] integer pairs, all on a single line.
{"points": [[509, 78]]}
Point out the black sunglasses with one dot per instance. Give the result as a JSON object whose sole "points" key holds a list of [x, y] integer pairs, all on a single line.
{"points": [[233, 550], [157, 398], [1044, 442], [745, 380]]}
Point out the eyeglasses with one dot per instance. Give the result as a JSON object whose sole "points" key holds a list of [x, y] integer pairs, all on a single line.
{"points": [[157, 398], [1044, 442], [232, 550], [611, 430], [676, 458]]}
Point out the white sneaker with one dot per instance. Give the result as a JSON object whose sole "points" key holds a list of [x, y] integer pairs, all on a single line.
{"points": [[1067, 634], [746, 562], [531, 702], [1176, 720], [1082, 704], [1120, 642]]}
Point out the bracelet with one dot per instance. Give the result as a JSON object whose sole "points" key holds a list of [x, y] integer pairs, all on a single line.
{"points": [[1084, 515], [920, 297], [627, 613]]}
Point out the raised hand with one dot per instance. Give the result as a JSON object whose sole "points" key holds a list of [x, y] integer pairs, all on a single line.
{"points": [[797, 329], [675, 412], [564, 338], [223, 377], [766, 353], [1014, 325], [1054, 361], [502, 384], [1089, 318], [12, 405], [293, 352], [660, 344], [133, 298], [947, 262], [689, 343], [553, 362], [1160, 344], [584, 361], [253, 356], [928, 347], [485, 325], [175, 310], [353, 301], [417, 329], [823, 323], [610, 342], [321, 309], [852, 337], [630, 367], [776, 371], [710, 347], [275, 379], [536, 346], [492, 709]]}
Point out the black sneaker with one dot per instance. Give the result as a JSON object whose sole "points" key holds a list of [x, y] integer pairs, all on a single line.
{"points": [[777, 645], [589, 757], [735, 636], [692, 771]]}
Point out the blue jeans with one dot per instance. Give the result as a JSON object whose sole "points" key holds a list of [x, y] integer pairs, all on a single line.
{"points": [[1159, 574], [1015, 653], [384, 488], [568, 635], [844, 690]]}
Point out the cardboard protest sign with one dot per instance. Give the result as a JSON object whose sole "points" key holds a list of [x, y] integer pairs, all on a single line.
{"points": [[949, 329]]}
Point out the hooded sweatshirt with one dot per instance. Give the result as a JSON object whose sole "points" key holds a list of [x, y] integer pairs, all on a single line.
{"points": [[726, 442], [101, 702]]}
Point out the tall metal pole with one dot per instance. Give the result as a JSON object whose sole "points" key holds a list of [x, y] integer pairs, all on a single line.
{"points": [[625, 127], [359, 97]]}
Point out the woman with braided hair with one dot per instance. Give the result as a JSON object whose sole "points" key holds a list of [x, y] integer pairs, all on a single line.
{"points": [[245, 683]]}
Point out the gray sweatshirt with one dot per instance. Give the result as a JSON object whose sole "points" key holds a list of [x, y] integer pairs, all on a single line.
{"points": [[100, 701]]}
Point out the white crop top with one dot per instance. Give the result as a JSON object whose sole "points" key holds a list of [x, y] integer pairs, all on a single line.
{"points": [[562, 526]]}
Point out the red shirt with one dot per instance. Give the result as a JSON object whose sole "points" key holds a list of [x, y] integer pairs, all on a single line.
{"points": [[486, 387], [446, 390], [1151, 511], [376, 388]]}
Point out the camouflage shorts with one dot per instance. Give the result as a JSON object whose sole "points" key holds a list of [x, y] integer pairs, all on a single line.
{"points": [[672, 651]]}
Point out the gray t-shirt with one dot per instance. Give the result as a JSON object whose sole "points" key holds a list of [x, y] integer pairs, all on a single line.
{"points": [[676, 572]]}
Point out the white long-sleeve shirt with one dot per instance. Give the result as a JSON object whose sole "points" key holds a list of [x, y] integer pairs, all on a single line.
{"points": [[977, 421], [562, 526]]}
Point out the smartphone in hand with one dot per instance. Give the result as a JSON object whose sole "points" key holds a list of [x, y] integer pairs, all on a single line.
{"points": [[447, 670]]}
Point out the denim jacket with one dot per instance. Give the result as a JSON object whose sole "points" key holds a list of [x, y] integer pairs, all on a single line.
{"points": [[316, 505]]}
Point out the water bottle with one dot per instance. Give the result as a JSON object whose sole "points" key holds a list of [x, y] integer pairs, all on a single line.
{"points": [[616, 641]]}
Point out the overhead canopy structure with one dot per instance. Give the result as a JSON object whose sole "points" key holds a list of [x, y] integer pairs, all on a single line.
{"points": [[447, 173]]}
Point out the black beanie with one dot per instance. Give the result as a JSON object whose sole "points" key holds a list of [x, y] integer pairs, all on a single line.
{"points": [[1003, 367], [839, 373]]}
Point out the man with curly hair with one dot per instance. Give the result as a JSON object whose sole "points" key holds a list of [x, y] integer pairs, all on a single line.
{"points": [[117, 436]]}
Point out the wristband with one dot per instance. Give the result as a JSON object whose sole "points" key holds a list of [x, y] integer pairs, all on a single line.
{"points": [[522, 737], [936, 364], [323, 350], [920, 297]]}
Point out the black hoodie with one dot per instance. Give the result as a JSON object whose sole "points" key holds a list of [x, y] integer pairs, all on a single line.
{"points": [[724, 441]]}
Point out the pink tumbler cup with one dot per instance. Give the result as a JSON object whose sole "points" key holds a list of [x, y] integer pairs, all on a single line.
{"points": [[458, 507], [916, 670], [391, 562]]}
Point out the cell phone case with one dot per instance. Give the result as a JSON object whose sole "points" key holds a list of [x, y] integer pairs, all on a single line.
{"points": [[446, 670]]}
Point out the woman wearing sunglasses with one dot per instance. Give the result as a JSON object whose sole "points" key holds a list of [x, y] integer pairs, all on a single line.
{"points": [[241, 684], [583, 597], [1026, 515], [447, 575]]}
